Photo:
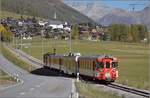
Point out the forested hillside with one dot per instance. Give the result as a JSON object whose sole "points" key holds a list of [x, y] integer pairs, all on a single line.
{"points": [[44, 9]]}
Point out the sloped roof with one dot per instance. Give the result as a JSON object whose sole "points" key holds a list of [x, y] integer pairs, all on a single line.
{"points": [[57, 22]]}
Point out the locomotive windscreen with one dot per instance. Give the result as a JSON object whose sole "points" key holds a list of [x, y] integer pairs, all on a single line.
{"points": [[107, 64], [114, 64], [100, 65]]}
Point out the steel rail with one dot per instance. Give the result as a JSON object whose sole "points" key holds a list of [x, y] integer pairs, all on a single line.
{"points": [[139, 92]]}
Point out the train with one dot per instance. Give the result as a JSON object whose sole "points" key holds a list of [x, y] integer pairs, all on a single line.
{"points": [[99, 67]]}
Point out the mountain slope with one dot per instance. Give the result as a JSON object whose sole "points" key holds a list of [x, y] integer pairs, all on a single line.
{"points": [[92, 10], [140, 17], [118, 16], [105, 15], [145, 16], [45, 9]]}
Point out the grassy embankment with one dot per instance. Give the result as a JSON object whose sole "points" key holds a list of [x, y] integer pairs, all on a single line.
{"points": [[5, 79], [90, 91], [133, 57], [14, 58]]}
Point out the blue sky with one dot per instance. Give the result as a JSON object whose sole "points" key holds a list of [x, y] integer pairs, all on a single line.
{"points": [[118, 3]]}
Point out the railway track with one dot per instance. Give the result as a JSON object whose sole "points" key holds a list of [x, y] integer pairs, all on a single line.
{"points": [[142, 93], [139, 92]]}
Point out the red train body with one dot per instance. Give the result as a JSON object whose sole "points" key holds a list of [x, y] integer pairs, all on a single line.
{"points": [[100, 67]]}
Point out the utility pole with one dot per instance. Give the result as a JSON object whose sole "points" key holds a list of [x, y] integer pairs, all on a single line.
{"points": [[133, 5], [21, 42], [55, 13], [0, 42], [42, 34], [13, 41], [70, 43], [0, 32], [16, 42]]}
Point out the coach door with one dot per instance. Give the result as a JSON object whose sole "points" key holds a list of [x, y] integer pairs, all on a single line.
{"points": [[77, 66], [60, 63], [89, 67], [49, 61], [45, 59], [94, 68]]}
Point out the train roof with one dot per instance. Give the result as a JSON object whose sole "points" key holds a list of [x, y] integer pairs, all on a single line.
{"points": [[97, 56], [88, 56]]}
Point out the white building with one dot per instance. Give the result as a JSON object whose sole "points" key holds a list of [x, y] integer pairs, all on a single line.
{"points": [[20, 23], [67, 29], [42, 23], [55, 24]]}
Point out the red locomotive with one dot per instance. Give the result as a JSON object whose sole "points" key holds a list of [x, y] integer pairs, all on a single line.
{"points": [[102, 67]]}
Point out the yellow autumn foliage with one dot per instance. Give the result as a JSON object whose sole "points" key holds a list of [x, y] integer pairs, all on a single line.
{"points": [[5, 35]]}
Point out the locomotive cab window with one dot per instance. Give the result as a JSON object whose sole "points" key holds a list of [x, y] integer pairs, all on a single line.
{"points": [[107, 65], [114, 64], [99, 65]]}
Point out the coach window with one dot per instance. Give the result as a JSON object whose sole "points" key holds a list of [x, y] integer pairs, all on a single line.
{"points": [[82, 64], [89, 65], [86, 66], [53, 60], [107, 65]]}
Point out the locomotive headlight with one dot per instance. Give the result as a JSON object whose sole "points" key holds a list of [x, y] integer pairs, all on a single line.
{"points": [[97, 74], [117, 74], [107, 75], [100, 70]]}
